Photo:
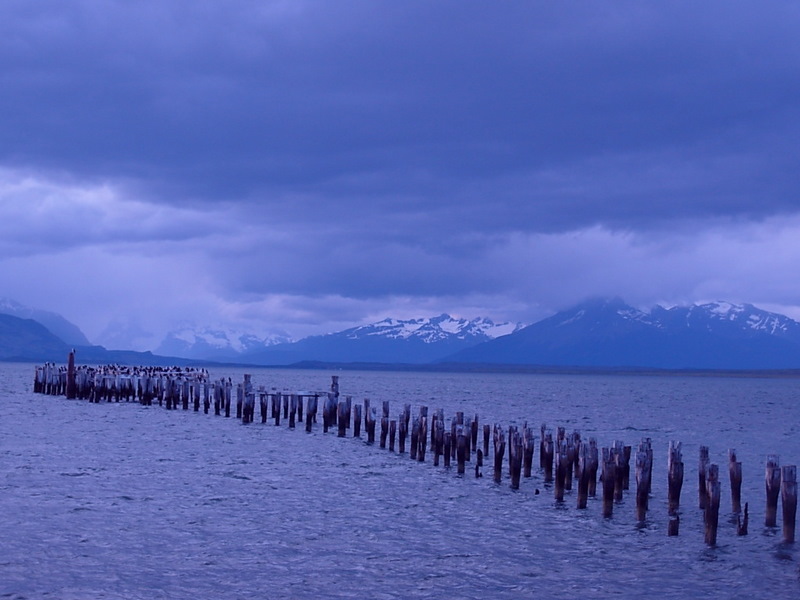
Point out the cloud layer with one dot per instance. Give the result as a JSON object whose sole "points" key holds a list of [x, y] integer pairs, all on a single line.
{"points": [[310, 165]]}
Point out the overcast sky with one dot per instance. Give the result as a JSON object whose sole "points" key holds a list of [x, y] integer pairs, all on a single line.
{"points": [[309, 166]]}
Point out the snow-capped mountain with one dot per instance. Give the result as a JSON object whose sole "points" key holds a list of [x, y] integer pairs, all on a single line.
{"points": [[433, 330], [389, 341], [216, 343], [610, 333]]}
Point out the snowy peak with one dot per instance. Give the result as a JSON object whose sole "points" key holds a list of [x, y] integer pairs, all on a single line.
{"points": [[434, 329], [218, 343]]}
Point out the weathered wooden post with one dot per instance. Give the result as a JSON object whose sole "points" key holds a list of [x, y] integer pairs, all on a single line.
{"points": [[527, 449], [789, 501], [583, 476], [541, 446], [741, 522], [228, 390], [486, 433], [563, 469], [618, 454], [773, 485], [402, 433], [264, 401], [735, 471], [609, 478], [384, 423], [712, 504], [341, 421], [239, 400], [515, 456], [286, 407], [468, 436], [576, 448], [357, 420], [292, 410], [447, 444], [461, 448], [478, 463], [548, 453], [474, 434], [414, 439], [311, 411], [438, 434], [499, 451], [276, 408], [591, 471], [370, 425], [423, 433], [392, 434], [674, 479], [71, 376], [644, 461], [702, 467], [571, 458]]}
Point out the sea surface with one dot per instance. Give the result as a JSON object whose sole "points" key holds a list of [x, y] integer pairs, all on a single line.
{"points": [[123, 501]]}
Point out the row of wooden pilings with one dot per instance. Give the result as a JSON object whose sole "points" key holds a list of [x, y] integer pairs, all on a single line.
{"points": [[562, 461]]}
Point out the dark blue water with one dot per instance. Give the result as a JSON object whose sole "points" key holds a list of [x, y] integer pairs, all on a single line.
{"points": [[124, 501]]}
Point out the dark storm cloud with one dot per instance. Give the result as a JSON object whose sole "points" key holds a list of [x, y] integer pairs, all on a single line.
{"points": [[533, 117]]}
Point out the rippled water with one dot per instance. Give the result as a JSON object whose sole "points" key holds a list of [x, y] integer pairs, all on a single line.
{"points": [[124, 501]]}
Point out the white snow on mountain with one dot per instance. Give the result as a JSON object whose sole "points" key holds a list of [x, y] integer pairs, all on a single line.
{"points": [[431, 330]]}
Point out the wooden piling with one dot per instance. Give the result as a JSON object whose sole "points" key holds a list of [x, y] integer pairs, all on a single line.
{"points": [[773, 487], [341, 421], [474, 434], [527, 451], [618, 454], [548, 453], [357, 420], [461, 448], [644, 461], [486, 435], [735, 472], [446, 453], [674, 478], [563, 469], [591, 470], [499, 452], [392, 434], [702, 467], [789, 501], [402, 426], [291, 406], [423, 433], [742, 521], [71, 390], [609, 478], [384, 423], [412, 452], [584, 459], [372, 418], [515, 456], [712, 504]]}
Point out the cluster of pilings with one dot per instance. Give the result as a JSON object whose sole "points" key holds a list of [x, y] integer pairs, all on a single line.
{"points": [[562, 460]]}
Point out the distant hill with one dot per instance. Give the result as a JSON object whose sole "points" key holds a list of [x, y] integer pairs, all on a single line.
{"points": [[610, 333], [58, 325], [28, 340]]}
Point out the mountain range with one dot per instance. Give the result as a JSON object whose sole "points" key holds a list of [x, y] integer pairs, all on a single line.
{"points": [[602, 333]]}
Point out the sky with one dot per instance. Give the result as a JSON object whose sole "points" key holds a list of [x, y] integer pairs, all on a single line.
{"points": [[306, 166]]}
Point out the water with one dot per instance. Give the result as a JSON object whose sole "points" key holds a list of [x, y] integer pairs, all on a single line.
{"points": [[124, 501]]}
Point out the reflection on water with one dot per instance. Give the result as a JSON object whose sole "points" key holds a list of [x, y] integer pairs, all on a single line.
{"points": [[125, 501]]}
